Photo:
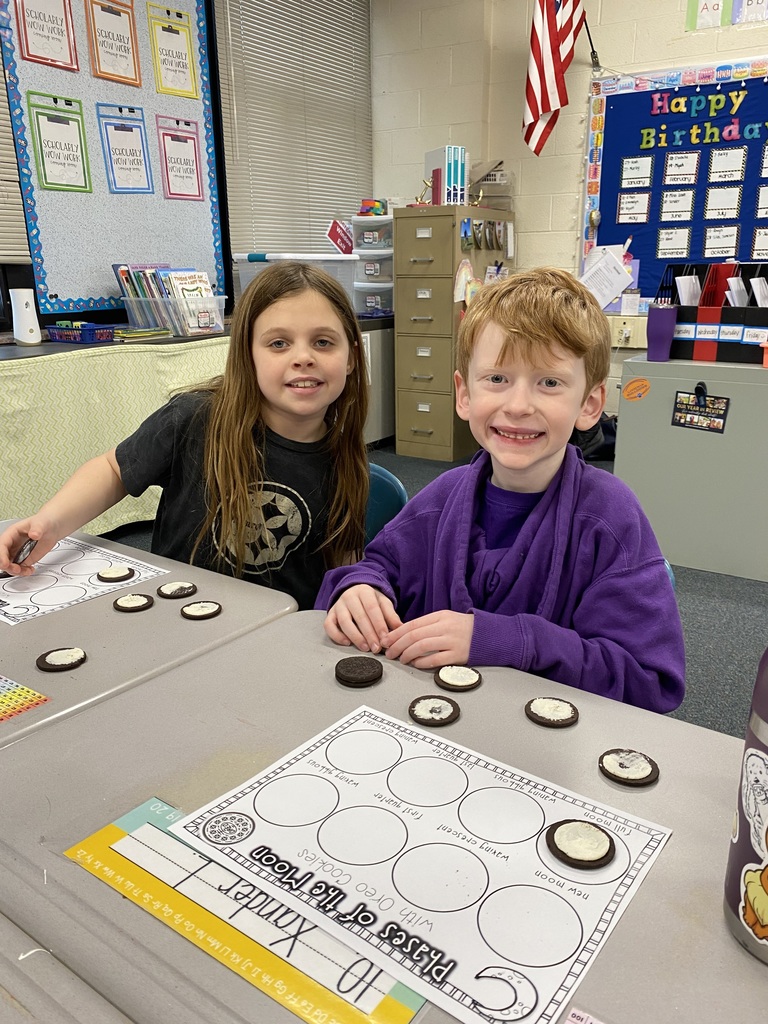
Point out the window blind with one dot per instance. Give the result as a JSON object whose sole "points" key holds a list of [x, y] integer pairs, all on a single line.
{"points": [[14, 247], [296, 111]]}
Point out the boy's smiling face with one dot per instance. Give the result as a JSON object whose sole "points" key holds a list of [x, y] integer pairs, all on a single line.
{"points": [[524, 415]]}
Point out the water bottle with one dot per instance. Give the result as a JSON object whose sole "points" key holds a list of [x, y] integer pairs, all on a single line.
{"points": [[746, 877]]}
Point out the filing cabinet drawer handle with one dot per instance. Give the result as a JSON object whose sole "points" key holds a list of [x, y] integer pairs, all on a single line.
{"points": [[422, 259], [419, 319], [422, 376], [416, 430]]}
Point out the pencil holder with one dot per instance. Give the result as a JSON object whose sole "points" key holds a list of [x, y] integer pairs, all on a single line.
{"points": [[660, 329]]}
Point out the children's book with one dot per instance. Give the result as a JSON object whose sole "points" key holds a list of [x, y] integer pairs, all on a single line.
{"points": [[144, 314], [197, 304], [124, 280]]}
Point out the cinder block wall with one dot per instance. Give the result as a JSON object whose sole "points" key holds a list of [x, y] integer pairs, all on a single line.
{"points": [[455, 73]]}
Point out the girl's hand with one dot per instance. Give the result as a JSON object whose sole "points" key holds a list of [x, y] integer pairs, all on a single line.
{"points": [[431, 641], [361, 616], [13, 538]]}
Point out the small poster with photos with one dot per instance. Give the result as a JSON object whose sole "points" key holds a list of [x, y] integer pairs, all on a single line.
{"points": [[706, 413]]}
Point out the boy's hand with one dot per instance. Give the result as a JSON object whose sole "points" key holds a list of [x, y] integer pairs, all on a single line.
{"points": [[15, 536], [431, 641], [361, 616]]}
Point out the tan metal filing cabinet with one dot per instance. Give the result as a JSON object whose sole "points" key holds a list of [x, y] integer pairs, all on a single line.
{"points": [[705, 493], [428, 251]]}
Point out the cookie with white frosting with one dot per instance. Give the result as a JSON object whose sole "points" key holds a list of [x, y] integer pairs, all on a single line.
{"points": [[133, 603], [117, 573], [432, 709], [629, 767], [552, 712], [457, 677], [61, 659], [580, 844], [201, 610]]}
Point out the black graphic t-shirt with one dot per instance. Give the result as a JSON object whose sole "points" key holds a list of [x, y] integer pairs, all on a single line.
{"points": [[167, 450]]}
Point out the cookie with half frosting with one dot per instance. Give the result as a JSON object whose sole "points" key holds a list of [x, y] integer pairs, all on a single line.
{"points": [[175, 590]]}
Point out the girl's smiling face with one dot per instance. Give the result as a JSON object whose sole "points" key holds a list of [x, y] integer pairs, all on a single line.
{"points": [[524, 415], [302, 359]]}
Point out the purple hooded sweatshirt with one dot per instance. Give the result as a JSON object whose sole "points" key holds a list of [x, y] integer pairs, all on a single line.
{"points": [[582, 596]]}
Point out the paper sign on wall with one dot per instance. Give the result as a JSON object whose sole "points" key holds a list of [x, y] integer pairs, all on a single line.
{"points": [[113, 42], [172, 51], [58, 137], [46, 35], [124, 144], [179, 146]]}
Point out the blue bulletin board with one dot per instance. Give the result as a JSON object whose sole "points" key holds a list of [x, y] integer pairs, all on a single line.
{"points": [[677, 167], [113, 215]]}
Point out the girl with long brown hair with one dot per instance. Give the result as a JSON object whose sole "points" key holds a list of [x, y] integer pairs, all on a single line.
{"points": [[263, 469]]}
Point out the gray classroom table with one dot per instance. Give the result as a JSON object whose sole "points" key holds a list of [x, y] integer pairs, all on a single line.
{"points": [[219, 719], [35, 986], [124, 649]]}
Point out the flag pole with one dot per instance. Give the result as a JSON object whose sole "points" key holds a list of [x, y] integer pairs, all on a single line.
{"points": [[596, 66]]}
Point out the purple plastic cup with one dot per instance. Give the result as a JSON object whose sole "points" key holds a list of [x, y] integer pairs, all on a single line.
{"points": [[660, 330]]}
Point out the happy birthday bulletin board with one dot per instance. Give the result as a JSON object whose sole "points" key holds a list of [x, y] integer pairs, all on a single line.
{"points": [[111, 112], [677, 167]]}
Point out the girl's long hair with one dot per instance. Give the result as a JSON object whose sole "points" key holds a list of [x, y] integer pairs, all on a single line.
{"points": [[234, 436]]}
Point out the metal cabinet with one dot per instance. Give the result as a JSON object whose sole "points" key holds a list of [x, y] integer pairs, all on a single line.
{"points": [[428, 251], [704, 491]]}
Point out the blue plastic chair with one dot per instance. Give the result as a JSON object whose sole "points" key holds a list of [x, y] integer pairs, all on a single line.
{"points": [[671, 574], [385, 499]]}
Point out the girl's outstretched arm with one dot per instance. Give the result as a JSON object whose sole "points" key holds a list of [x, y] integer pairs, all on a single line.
{"points": [[92, 489]]}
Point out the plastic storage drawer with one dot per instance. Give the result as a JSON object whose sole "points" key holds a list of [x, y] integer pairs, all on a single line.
{"points": [[375, 267], [372, 232], [373, 299]]}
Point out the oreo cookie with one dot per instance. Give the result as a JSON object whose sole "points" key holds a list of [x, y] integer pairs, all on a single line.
{"points": [[359, 671], [434, 709], [115, 573], [552, 712], [628, 767], [133, 603], [457, 677], [580, 843], [61, 659], [201, 610], [176, 590]]}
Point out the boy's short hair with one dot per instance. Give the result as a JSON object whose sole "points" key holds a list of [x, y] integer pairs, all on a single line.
{"points": [[536, 308]]}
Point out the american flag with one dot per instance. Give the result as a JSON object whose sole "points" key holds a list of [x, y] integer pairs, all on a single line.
{"points": [[556, 24]]}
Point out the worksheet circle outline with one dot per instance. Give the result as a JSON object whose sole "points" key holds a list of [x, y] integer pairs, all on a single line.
{"points": [[352, 760], [417, 799], [321, 795]]}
